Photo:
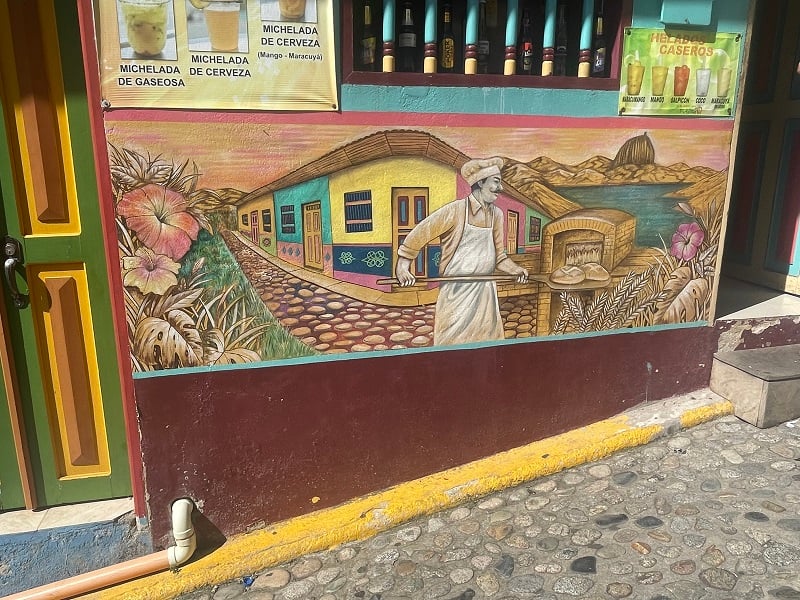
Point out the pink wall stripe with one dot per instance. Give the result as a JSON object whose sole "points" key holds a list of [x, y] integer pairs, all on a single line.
{"points": [[418, 120]]}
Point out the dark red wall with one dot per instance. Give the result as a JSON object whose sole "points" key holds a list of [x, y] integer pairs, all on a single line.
{"points": [[746, 334], [255, 445]]}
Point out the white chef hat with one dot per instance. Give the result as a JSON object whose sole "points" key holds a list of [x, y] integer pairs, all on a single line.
{"points": [[475, 170]]}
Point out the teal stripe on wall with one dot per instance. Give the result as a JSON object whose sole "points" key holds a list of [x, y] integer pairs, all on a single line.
{"points": [[728, 16], [504, 101]]}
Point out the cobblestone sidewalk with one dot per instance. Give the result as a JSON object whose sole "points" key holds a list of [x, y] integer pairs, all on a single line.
{"points": [[709, 513]]}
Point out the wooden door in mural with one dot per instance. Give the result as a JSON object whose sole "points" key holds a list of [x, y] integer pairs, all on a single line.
{"points": [[409, 207], [512, 232], [312, 235], [254, 227], [763, 236], [62, 435]]}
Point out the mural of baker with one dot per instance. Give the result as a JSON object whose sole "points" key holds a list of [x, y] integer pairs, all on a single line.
{"points": [[472, 246]]}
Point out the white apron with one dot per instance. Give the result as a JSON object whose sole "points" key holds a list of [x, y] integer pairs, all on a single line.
{"points": [[469, 311]]}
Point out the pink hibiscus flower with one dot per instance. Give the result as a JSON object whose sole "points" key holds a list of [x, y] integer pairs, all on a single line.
{"points": [[158, 216], [686, 241], [149, 272]]}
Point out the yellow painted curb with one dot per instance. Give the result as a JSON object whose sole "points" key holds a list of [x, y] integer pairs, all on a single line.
{"points": [[364, 517], [702, 414]]}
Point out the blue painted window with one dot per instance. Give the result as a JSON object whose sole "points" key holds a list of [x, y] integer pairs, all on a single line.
{"points": [[287, 219], [535, 229], [402, 209], [419, 263], [420, 208], [358, 211], [245, 220], [266, 220]]}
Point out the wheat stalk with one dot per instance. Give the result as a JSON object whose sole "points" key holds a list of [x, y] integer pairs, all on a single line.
{"points": [[576, 309], [562, 320], [618, 295], [596, 308]]}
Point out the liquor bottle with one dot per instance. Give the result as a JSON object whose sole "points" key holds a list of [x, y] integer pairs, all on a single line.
{"points": [[369, 43], [447, 42], [491, 13], [560, 57], [483, 39], [525, 51], [599, 45], [407, 41]]}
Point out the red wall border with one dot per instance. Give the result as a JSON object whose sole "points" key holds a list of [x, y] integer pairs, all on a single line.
{"points": [[104, 189]]}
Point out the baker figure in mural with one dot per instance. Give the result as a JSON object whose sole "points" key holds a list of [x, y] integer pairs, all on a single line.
{"points": [[471, 234]]}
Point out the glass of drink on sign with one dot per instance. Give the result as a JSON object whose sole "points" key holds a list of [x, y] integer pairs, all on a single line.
{"points": [[703, 78], [723, 82], [659, 80], [222, 21], [681, 80], [635, 75], [146, 25], [292, 10]]}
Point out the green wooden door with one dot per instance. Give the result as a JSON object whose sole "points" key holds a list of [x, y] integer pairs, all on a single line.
{"points": [[62, 435]]}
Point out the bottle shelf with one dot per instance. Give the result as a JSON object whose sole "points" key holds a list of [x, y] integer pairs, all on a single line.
{"points": [[549, 23]]}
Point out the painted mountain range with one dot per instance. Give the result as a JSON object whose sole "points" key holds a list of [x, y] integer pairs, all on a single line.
{"points": [[634, 163]]}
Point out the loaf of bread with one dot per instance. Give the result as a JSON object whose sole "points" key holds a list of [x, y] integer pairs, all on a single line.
{"points": [[568, 275], [595, 272]]}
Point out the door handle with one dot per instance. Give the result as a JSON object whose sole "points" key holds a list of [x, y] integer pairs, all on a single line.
{"points": [[12, 250]]}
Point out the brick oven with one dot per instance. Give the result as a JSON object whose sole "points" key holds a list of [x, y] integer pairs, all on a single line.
{"points": [[589, 242], [599, 235]]}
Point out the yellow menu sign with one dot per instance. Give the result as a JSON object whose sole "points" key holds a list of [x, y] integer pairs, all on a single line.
{"points": [[220, 54], [679, 72]]}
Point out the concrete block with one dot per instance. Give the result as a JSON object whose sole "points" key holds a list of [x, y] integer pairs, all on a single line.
{"points": [[763, 384]]}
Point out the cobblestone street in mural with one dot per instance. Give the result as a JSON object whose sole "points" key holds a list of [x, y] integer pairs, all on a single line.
{"points": [[333, 324], [302, 265]]}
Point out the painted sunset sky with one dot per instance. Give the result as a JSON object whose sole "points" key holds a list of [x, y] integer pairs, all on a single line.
{"points": [[248, 151]]}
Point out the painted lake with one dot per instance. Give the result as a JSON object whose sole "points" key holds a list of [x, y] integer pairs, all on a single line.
{"points": [[656, 216]]}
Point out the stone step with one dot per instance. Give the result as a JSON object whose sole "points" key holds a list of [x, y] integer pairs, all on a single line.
{"points": [[763, 384]]}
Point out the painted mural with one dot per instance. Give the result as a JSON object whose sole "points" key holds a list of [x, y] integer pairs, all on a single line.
{"points": [[262, 242]]}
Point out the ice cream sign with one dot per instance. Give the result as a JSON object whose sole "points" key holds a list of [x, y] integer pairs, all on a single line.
{"points": [[679, 73]]}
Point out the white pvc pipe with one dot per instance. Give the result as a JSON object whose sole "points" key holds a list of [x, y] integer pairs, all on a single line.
{"points": [[183, 532], [185, 544]]}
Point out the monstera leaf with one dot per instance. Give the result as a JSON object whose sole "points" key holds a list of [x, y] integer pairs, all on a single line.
{"points": [[168, 342], [685, 298], [238, 356], [217, 354]]}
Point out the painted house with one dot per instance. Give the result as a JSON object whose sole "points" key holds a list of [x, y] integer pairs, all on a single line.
{"points": [[346, 213]]}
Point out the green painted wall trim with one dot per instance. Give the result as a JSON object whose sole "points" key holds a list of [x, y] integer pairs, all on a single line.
{"points": [[85, 248], [93, 256]]}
